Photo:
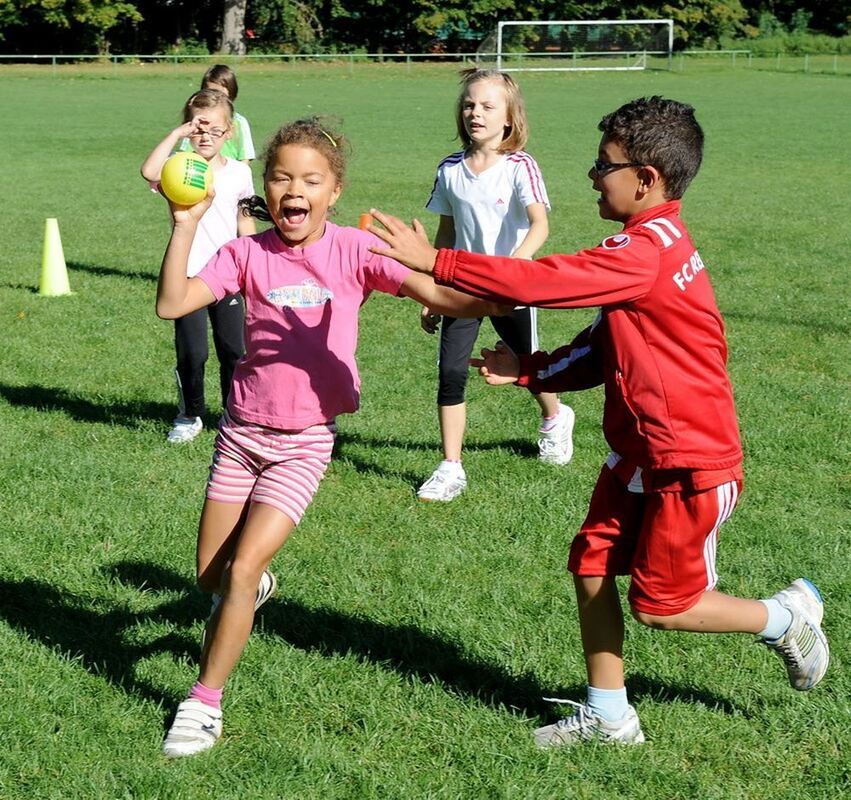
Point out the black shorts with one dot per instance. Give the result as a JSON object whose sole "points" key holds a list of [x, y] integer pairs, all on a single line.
{"points": [[458, 337]]}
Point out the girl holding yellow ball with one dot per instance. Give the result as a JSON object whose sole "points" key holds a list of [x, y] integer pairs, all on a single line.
{"points": [[207, 124]]}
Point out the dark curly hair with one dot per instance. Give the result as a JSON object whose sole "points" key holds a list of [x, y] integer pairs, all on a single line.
{"points": [[314, 132], [660, 133]]}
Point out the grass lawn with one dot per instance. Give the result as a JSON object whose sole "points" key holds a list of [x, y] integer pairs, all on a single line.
{"points": [[409, 646]]}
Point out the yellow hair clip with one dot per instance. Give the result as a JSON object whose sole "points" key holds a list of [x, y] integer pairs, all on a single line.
{"points": [[329, 137]]}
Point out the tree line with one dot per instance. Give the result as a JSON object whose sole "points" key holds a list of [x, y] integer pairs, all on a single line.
{"points": [[374, 26]]}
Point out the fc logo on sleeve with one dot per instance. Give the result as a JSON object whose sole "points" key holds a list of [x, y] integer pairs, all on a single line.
{"points": [[615, 242]]}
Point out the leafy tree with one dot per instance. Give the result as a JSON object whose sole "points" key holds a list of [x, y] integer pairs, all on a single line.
{"points": [[700, 23], [90, 20], [286, 26]]}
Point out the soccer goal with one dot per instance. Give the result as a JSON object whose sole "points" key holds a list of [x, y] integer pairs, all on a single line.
{"points": [[587, 45]]}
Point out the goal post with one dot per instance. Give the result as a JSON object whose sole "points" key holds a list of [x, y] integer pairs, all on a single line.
{"points": [[578, 45]]}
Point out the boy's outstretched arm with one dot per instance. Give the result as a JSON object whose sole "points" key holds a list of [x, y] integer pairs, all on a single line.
{"points": [[570, 368], [408, 246], [499, 366], [598, 276]]}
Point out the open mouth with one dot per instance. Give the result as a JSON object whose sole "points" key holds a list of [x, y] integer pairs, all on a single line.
{"points": [[295, 216]]}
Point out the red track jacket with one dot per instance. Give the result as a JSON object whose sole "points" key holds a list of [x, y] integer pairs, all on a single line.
{"points": [[658, 345]]}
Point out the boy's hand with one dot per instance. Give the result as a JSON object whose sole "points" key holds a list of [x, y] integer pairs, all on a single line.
{"points": [[408, 246], [498, 366], [429, 320]]}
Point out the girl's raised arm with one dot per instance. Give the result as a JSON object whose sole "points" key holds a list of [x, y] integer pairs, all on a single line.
{"points": [[152, 166], [178, 295]]}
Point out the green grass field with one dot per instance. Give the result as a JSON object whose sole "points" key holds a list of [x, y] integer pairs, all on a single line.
{"points": [[409, 646]]}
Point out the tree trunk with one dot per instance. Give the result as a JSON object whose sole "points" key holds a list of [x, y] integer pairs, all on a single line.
{"points": [[233, 28]]}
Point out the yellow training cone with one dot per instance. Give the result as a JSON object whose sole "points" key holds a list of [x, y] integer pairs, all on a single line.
{"points": [[54, 274]]}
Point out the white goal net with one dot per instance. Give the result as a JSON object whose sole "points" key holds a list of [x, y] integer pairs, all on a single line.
{"points": [[561, 45]]}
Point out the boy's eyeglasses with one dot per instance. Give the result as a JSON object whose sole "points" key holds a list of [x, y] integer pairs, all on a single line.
{"points": [[213, 133], [602, 167]]}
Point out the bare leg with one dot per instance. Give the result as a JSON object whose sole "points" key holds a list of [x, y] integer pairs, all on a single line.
{"points": [[602, 626], [218, 533], [453, 421], [548, 403], [713, 613], [264, 532]]}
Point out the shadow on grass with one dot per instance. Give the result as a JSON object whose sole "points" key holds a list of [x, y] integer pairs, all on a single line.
{"points": [[349, 446], [98, 639], [112, 272], [83, 409], [820, 325], [21, 287]]}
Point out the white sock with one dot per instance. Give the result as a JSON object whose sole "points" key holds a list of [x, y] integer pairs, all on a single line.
{"points": [[610, 704], [779, 620]]}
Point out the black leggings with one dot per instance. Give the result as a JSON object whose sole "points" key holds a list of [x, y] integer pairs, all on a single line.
{"points": [[227, 318], [457, 338]]}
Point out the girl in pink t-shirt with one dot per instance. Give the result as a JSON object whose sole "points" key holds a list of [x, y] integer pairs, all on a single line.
{"points": [[304, 281]]}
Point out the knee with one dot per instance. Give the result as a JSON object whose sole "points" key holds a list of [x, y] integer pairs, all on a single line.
{"points": [[450, 391], [652, 620], [243, 575]]}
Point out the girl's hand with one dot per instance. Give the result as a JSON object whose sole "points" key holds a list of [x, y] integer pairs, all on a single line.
{"points": [[429, 320], [189, 215], [198, 124], [408, 246], [498, 366]]}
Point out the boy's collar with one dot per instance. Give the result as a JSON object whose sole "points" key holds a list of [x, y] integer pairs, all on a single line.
{"points": [[661, 210]]}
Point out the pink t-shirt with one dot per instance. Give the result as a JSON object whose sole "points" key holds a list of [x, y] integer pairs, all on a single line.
{"points": [[301, 322]]}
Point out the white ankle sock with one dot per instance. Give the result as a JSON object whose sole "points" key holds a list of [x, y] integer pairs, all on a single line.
{"points": [[779, 620]]}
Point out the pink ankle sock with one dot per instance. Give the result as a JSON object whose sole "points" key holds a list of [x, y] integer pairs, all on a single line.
{"points": [[208, 696], [548, 422]]}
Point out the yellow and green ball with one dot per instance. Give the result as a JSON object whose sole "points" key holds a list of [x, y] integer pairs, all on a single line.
{"points": [[186, 178]]}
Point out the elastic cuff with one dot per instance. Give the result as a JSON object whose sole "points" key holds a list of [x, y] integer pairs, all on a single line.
{"points": [[444, 266]]}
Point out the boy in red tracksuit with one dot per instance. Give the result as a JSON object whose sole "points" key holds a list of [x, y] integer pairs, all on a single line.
{"points": [[675, 471]]}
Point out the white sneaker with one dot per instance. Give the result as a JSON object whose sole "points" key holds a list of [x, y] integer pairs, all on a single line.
{"points": [[185, 429], [196, 728], [804, 646], [555, 446], [265, 589], [445, 483], [583, 725]]}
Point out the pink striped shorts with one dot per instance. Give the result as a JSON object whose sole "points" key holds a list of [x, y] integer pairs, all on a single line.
{"points": [[265, 465]]}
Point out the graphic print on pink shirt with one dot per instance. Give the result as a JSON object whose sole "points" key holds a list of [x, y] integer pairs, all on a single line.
{"points": [[301, 323]]}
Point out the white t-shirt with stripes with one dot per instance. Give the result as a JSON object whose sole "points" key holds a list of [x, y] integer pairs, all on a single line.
{"points": [[489, 209]]}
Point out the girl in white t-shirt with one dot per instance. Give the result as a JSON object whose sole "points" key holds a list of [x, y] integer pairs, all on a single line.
{"points": [[491, 199], [304, 281], [207, 126]]}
